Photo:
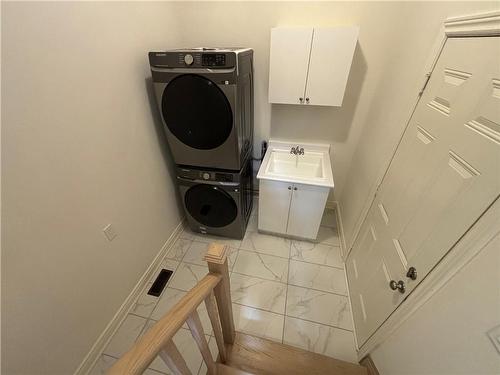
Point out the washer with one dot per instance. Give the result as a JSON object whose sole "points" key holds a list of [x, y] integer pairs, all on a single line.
{"points": [[205, 96], [217, 202]]}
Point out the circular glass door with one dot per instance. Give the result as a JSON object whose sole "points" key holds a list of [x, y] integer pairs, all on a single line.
{"points": [[210, 205], [197, 112]]}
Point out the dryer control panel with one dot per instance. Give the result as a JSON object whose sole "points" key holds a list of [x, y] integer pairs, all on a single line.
{"points": [[213, 59], [193, 59]]}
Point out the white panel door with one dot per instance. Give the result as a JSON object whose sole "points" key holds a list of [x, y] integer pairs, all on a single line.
{"points": [[444, 175], [289, 60], [306, 210], [274, 205], [331, 57]]}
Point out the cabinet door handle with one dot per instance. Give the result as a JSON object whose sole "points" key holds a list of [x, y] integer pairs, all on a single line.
{"points": [[301, 100], [289, 188], [307, 100], [294, 188]]}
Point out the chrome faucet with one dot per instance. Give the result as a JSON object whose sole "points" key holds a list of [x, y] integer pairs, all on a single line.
{"points": [[297, 150]]}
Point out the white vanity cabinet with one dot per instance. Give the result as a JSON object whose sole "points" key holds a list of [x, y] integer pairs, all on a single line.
{"points": [[294, 182], [290, 208], [310, 66]]}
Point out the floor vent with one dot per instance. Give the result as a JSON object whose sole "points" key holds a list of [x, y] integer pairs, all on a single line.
{"points": [[160, 282]]}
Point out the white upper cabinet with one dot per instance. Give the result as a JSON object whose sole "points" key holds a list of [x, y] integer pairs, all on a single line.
{"points": [[310, 66]]}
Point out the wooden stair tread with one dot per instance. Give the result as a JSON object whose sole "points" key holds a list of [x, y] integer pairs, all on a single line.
{"points": [[222, 369], [259, 356]]}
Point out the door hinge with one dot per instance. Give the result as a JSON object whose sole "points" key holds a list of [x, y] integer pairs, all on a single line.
{"points": [[427, 77]]}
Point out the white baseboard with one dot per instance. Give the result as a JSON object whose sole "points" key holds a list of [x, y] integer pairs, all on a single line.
{"points": [[340, 224], [332, 205], [103, 340], [335, 205]]}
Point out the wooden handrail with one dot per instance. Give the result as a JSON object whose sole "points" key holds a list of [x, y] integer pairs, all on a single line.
{"points": [[137, 359], [214, 287]]}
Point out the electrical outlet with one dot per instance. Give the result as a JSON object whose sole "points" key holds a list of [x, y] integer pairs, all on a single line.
{"points": [[109, 232]]}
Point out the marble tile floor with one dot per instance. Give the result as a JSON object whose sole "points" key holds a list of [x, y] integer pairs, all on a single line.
{"points": [[284, 290]]}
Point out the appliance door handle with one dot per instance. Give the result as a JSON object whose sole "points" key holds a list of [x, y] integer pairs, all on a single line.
{"points": [[215, 183], [190, 70]]}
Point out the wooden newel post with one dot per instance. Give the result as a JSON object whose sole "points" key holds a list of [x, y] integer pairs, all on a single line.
{"points": [[216, 258]]}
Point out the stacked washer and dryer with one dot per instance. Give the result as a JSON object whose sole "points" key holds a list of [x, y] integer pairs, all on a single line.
{"points": [[205, 96]]}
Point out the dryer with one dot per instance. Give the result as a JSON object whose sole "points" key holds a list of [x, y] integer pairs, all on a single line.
{"points": [[205, 97]]}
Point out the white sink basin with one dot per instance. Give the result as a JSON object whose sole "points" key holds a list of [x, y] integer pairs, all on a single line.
{"points": [[312, 168], [285, 164]]}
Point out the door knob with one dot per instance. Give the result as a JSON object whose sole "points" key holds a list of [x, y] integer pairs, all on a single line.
{"points": [[412, 273], [301, 100], [399, 285]]}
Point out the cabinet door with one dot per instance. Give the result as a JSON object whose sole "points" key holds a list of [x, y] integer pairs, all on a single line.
{"points": [[274, 204], [306, 210], [331, 58], [289, 59]]}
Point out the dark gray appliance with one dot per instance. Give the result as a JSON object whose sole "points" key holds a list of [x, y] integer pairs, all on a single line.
{"points": [[205, 96], [217, 202]]}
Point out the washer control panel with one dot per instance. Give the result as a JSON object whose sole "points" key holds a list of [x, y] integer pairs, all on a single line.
{"points": [[204, 175], [224, 177]]}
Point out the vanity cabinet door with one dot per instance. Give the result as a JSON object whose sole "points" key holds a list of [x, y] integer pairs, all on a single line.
{"points": [[306, 210], [274, 204]]}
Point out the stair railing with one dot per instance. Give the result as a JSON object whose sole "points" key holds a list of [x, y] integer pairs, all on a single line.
{"points": [[214, 289]]}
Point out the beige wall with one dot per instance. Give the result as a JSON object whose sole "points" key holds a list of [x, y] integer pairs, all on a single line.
{"points": [[448, 335], [384, 113], [81, 149]]}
